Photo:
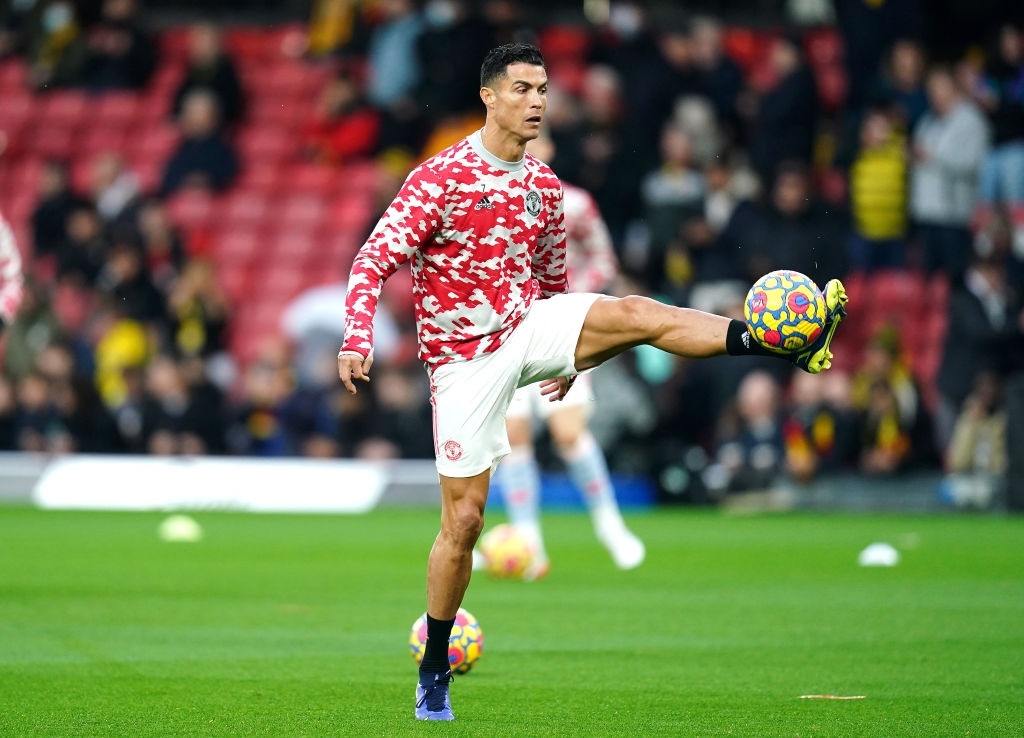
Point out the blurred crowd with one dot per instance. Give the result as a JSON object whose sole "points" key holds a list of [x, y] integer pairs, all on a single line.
{"points": [[712, 161]]}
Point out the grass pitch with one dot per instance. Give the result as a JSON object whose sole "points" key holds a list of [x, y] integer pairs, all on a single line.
{"points": [[297, 625]]}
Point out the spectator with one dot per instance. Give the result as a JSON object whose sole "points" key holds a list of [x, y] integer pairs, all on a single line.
{"points": [[38, 425], [749, 451], [893, 426], [164, 254], [448, 52], [402, 412], [818, 427], [900, 85], [89, 424], [54, 45], [50, 218], [794, 230], [119, 53], [344, 126], [260, 424], [977, 457], [113, 188], [868, 29], [949, 145], [170, 416], [84, 251], [8, 415], [124, 278], [878, 196], [785, 117], [210, 68], [35, 328], [1000, 93], [718, 77], [393, 70], [890, 442], [672, 194], [199, 312], [984, 334], [204, 158]]}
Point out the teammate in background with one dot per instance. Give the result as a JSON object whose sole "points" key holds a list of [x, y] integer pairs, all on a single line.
{"points": [[11, 284], [482, 226], [591, 266]]}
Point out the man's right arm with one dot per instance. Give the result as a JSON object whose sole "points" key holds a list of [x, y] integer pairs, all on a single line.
{"points": [[411, 220]]}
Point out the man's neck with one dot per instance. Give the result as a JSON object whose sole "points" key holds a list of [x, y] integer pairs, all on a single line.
{"points": [[504, 145]]}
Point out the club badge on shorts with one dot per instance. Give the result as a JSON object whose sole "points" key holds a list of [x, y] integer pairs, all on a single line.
{"points": [[452, 450], [533, 202]]}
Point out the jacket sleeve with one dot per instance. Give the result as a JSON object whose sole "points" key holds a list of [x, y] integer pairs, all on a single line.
{"points": [[409, 222]]}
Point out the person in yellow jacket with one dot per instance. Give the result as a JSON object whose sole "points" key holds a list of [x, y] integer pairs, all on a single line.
{"points": [[878, 196]]}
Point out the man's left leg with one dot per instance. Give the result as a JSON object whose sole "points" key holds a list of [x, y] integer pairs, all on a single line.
{"points": [[448, 572], [616, 324]]}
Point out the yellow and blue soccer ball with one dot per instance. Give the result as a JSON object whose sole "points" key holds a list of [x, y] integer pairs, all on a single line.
{"points": [[507, 554], [785, 311], [465, 645]]}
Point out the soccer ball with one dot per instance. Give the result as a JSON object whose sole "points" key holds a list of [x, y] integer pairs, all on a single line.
{"points": [[464, 646], [507, 554], [785, 311]]}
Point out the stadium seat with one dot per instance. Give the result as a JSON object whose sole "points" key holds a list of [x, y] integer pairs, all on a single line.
{"points": [[266, 144], [245, 207], [191, 208], [893, 291], [97, 138], [13, 75], [312, 178], [824, 47], [304, 212], [560, 43], [115, 108], [64, 107], [52, 141]]}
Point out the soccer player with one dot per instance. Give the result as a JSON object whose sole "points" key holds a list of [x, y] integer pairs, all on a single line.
{"points": [[11, 285], [591, 266], [482, 226]]}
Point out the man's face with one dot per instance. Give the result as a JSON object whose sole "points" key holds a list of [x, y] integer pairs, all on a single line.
{"points": [[519, 100]]}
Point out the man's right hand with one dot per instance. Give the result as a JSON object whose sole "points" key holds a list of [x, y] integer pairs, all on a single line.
{"points": [[353, 366]]}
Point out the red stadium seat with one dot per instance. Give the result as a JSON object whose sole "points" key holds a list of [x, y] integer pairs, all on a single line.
{"points": [[245, 207], [52, 141], [115, 108], [893, 291], [302, 212], [832, 87], [312, 178], [192, 208], [100, 138], [564, 42], [13, 75], [266, 144], [824, 47], [156, 143], [64, 107]]}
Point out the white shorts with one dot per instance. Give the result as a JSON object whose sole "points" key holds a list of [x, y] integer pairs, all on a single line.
{"points": [[470, 398], [528, 402]]}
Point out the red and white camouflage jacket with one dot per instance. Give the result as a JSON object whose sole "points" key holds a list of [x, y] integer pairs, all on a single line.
{"points": [[590, 257], [483, 237], [10, 274]]}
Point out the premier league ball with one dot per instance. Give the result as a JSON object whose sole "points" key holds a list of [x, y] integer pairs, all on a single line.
{"points": [[785, 311], [465, 645], [507, 554]]}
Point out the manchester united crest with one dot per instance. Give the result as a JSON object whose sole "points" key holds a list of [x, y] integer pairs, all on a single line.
{"points": [[533, 202]]}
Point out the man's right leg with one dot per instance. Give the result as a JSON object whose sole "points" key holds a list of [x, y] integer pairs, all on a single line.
{"points": [[448, 572]]}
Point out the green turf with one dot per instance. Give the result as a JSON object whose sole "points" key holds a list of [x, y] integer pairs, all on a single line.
{"points": [[297, 625]]}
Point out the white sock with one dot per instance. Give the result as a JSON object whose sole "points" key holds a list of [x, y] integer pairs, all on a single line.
{"points": [[589, 472], [519, 479]]}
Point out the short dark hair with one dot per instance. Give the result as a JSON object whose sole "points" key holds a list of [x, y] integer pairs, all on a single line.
{"points": [[498, 59]]}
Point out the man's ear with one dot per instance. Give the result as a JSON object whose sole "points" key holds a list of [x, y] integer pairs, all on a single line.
{"points": [[488, 96]]}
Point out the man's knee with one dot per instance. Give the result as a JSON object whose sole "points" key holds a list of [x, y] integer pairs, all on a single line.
{"points": [[465, 523]]}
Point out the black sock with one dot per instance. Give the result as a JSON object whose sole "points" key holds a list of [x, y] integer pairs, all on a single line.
{"points": [[435, 657], [739, 342]]}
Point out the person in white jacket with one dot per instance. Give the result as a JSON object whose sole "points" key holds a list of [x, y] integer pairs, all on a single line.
{"points": [[11, 283], [949, 146]]}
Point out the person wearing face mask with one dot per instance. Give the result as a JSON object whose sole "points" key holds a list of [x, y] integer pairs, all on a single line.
{"points": [[55, 48]]}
